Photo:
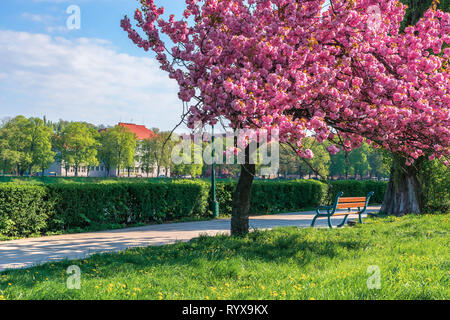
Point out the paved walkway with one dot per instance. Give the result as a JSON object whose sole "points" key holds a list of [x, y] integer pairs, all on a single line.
{"points": [[29, 252]]}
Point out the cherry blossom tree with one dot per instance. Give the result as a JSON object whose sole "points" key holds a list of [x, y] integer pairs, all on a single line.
{"points": [[343, 72]]}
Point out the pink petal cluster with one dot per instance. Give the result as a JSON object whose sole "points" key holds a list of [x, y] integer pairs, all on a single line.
{"points": [[289, 65], [333, 149]]}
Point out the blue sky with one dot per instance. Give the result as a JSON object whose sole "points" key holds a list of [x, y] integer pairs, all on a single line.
{"points": [[93, 74]]}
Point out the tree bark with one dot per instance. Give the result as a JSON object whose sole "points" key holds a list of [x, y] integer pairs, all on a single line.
{"points": [[404, 191], [241, 198]]}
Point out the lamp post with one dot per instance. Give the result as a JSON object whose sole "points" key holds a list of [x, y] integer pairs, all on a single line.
{"points": [[215, 204]]}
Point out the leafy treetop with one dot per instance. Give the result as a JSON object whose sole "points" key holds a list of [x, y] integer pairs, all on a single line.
{"points": [[346, 74]]}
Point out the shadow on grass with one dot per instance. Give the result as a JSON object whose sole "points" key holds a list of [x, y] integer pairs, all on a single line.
{"points": [[222, 252], [220, 256]]}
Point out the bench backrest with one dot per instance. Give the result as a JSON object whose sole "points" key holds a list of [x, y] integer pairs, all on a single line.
{"points": [[352, 202], [344, 203]]}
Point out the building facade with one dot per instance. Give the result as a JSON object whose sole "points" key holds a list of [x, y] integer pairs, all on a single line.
{"points": [[100, 171]]}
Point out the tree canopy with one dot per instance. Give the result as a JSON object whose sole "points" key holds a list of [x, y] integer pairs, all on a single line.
{"points": [[77, 146], [345, 73]]}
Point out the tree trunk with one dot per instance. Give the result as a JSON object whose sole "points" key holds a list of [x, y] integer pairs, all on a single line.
{"points": [[241, 198], [404, 191]]}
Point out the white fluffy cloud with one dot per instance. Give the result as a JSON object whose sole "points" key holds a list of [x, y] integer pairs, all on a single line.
{"points": [[83, 79]]}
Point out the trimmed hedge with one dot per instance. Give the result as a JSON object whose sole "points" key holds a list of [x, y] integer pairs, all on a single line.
{"points": [[269, 197], [36, 209], [24, 209], [282, 196], [353, 188], [80, 206]]}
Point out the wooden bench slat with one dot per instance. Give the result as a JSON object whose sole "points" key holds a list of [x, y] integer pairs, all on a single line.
{"points": [[345, 213], [351, 205], [356, 199]]}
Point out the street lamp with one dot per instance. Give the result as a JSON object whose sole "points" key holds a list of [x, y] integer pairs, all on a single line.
{"points": [[215, 204]]}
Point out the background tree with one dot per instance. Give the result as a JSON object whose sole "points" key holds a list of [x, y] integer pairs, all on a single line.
{"points": [[192, 164], [117, 148], [417, 8], [25, 145], [380, 163], [163, 146], [77, 145], [340, 165], [107, 151], [436, 186], [359, 160], [320, 163], [16, 136], [147, 155], [41, 146], [290, 163]]}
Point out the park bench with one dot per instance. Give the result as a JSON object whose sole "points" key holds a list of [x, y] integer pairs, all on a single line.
{"points": [[343, 203]]}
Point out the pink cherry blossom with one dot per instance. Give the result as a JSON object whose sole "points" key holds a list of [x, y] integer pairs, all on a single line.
{"points": [[287, 64]]}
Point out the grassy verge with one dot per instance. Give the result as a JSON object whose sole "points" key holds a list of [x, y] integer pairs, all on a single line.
{"points": [[287, 263]]}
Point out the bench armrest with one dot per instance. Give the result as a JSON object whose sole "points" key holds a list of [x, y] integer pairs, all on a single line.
{"points": [[328, 208]]}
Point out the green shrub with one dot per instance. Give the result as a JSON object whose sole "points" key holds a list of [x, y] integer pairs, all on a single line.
{"points": [[29, 209], [24, 209], [353, 188], [168, 201], [84, 205], [269, 197], [282, 196], [435, 180]]}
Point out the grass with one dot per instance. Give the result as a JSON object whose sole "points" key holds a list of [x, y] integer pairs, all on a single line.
{"points": [[287, 263]]}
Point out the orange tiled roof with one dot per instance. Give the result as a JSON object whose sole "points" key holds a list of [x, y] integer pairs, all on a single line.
{"points": [[141, 132]]}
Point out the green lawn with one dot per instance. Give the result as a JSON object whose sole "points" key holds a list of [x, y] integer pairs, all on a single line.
{"points": [[288, 263]]}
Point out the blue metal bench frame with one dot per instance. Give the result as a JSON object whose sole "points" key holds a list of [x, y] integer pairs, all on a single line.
{"points": [[331, 210]]}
